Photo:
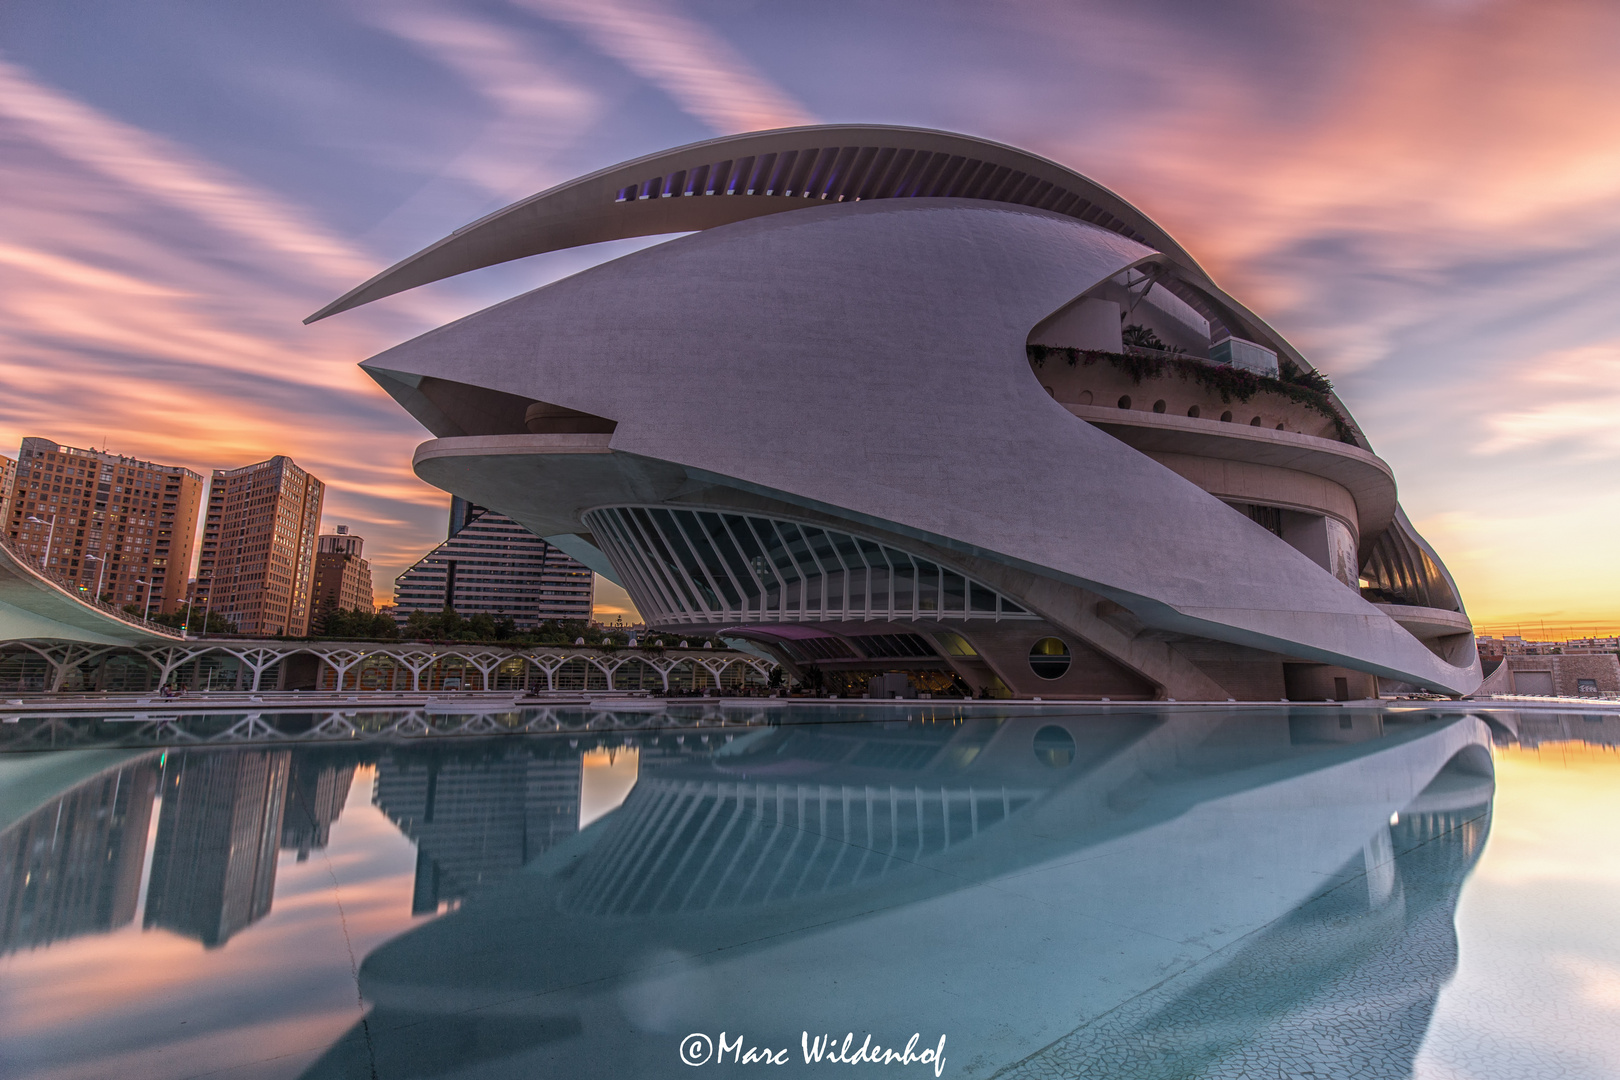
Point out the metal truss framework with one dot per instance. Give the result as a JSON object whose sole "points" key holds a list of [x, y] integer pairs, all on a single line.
{"points": [[419, 667], [283, 728]]}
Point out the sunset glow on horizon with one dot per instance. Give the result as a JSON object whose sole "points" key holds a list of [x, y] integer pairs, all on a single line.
{"points": [[1424, 197]]}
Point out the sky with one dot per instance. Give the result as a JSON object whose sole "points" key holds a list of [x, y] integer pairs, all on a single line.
{"points": [[1424, 196]]}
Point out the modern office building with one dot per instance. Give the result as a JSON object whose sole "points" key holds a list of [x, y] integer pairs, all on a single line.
{"points": [[112, 525], [905, 401], [258, 551], [342, 575], [493, 566]]}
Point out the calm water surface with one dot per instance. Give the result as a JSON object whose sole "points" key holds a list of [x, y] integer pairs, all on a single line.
{"points": [[1134, 892]]}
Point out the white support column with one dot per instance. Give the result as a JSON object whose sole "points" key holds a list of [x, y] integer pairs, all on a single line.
{"points": [[63, 659], [485, 663], [258, 660], [547, 669], [417, 662], [341, 661]]}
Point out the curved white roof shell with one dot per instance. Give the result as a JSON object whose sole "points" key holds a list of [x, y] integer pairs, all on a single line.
{"points": [[730, 179]]}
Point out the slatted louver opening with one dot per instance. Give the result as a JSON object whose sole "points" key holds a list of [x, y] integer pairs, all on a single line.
{"points": [[698, 566], [686, 846], [846, 173]]}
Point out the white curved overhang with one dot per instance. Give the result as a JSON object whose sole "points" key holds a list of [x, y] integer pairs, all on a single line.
{"points": [[737, 177]]}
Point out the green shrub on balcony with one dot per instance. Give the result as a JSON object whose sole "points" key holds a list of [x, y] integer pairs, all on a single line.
{"points": [[1308, 388]]}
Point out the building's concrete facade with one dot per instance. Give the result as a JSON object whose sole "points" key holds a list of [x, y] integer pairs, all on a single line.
{"points": [[890, 391]]}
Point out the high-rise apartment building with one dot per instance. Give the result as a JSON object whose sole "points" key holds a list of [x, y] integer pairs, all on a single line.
{"points": [[342, 576], [8, 477], [493, 566], [111, 525], [258, 550]]}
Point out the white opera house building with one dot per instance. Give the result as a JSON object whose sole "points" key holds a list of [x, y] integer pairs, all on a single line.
{"points": [[911, 404]]}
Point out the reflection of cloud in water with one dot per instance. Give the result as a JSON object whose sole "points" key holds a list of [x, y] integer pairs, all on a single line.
{"points": [[1537, 990], [608, 776], [1178, 862]]}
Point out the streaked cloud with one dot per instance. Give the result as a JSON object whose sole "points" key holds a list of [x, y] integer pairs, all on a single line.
{"points": [[1424, 197], [539, 108], [156, 168], [150, 301], [702, 72]]}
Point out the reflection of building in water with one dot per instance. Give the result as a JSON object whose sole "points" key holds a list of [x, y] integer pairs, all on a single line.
{"points": [[1192, 893], [316, 791], [476, 816], [214, 862], [1343, 985], [1596, 729], [74, 865]]}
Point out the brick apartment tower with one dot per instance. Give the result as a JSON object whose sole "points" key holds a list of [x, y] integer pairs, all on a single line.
{"points": [[141, 517], [258, 551], [8, 477], [342, 577]]}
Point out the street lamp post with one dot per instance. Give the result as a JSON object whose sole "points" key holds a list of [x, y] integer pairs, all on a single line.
{"points": [[100, 575], [50, 537], [146, 613]]}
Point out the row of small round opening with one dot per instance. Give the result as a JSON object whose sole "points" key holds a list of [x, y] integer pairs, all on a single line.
{"points": [[1192, 411]]}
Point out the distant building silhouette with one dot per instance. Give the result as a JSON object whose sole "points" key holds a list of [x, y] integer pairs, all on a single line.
{"points": [[214, 862], [74, 865]]}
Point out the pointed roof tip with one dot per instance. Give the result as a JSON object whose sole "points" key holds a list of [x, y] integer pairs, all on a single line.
{"points": [[350, 299]]}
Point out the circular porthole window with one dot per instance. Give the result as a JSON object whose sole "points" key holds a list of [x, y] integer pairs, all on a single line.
{"points": [[1054, 746], [1049, 658]]}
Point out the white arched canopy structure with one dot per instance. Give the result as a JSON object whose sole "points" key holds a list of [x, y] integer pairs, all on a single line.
{"points": [[841, 353]]}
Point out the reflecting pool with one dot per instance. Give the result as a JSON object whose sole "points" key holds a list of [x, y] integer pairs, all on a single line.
{"points": [[953, 891]]}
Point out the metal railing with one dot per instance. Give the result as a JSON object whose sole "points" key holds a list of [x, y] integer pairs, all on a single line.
{"points": [[72, 588]]}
